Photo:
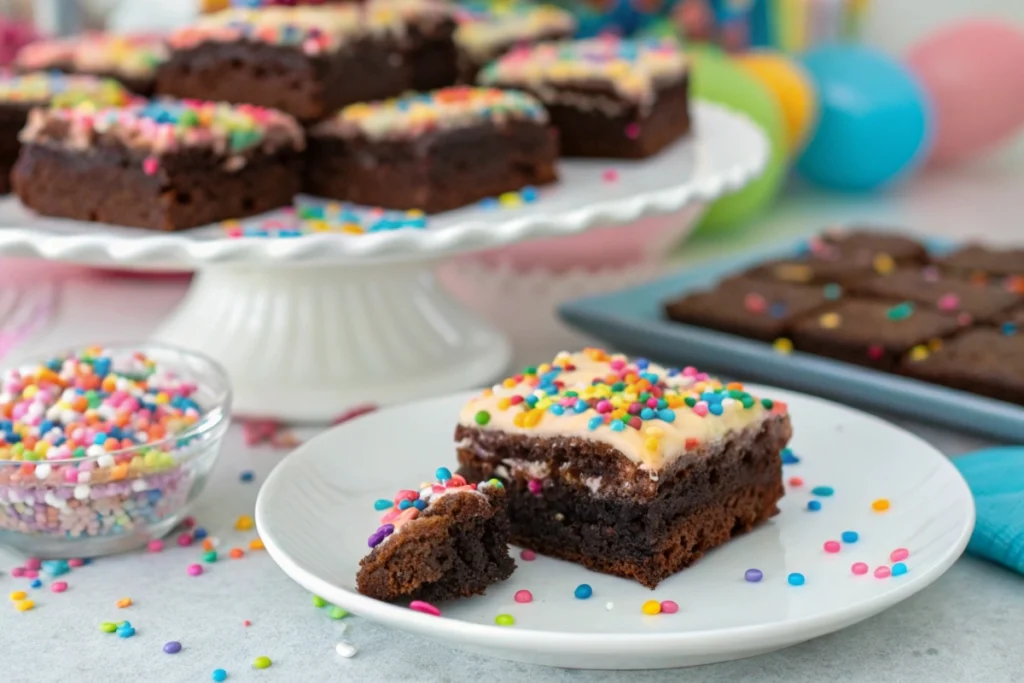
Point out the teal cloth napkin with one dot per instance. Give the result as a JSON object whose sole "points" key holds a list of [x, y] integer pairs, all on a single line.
{"points": [[996, 478]]}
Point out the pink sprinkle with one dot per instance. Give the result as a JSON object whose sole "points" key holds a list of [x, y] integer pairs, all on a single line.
{"points": [[59, 586], [150, 165], [610, 176], [859, 568], [355, 412], [528, 556], [883, 573], [188, 522], [669, 607], [18, 572], [31, 573], [76, 562], [652, 402], [33, 563], [964, 319], [633, 131], [899, 554], [185, 540], [407, 494], [524, 596], [246, 623], [603, 406], [535, 486], [875, 351], [949, 302], [617, 364], [755, 303], [155, 546], [832, 546], [195, 570], [424, 607], [796, 482], [701, 408]]}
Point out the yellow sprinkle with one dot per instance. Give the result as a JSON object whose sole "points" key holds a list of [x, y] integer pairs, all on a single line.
{"points": [[919, 353], [256, 544], [24, 605], [352, 229], [651, 607], [509, 383], [794, 273], [18, 595], [783, 345], [504, 404], [830, 321], [884, 264], [244, 523], [519, 419], [651, 444], [533, 417], [880, 505]]}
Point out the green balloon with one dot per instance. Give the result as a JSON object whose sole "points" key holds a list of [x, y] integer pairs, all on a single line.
{"points": [[718, 80]]}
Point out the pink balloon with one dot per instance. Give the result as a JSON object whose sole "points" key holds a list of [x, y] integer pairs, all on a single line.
{"points": [[972, 71]]}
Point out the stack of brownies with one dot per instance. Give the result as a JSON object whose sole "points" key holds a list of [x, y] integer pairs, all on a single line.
{"points": [[373, 103]]}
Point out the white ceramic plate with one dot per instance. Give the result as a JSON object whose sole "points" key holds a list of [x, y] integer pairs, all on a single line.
{"points": [[315, 513], [726, 152]]}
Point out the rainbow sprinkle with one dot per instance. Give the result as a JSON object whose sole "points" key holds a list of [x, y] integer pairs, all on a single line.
{"points": [[333, 217], [134, 56], [483, 32], [62, 90]]}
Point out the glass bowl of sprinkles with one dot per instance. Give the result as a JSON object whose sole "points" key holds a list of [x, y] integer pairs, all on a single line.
{"points": [[104, 448]]}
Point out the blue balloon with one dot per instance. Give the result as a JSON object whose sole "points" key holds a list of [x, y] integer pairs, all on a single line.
{"points": [[875, 123]]}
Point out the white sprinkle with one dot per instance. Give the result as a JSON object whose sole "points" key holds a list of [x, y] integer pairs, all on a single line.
{"points": [[84, 477], [139, 485], [82, 492], [346, 649], [106, 460], [42, 470], [609, 606]]}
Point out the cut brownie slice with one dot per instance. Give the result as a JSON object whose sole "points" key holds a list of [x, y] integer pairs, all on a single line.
{"points": [[164, 165], [432, 152], [869, 244], [311, 61], [982, 265], [870, 332], [750, 308], [947, 294], [132, 60], [980, 360], [20, 94], [607, 97], [447, 540], [484, 35], [623, 466]]}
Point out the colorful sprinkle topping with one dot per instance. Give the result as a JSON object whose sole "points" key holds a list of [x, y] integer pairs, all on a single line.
{"points": [[444, 109], [333, 217], [61, 90], [484, 33], [135, 56]]}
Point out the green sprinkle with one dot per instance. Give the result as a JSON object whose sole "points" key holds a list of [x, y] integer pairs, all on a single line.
{"points": [[108, 627], [504, 620], [262, 663], [338, 613], [767, 403], [900, 311], [530, 370], [690, 401], [482, 417], [619, 386], [496, 483], [210, 556], [319, 602], [747, 402]]}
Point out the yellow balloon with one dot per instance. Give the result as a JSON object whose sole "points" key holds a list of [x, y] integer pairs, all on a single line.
{"points": [[792, 87]]}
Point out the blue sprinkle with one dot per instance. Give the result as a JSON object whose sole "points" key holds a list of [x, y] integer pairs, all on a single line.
{"points": [[796, 579], [126, 631], [850, 536], [667, 415], [777, 310], [530, 401], [662, 404], [617, 425], [715, 408], [1009, 329], [823, 491], [833, 291], [247, 476], [899, 569], [595, 422], [528, 194], [711, 397], [642, 363], [583, 591], [405, 504], [813, 505], [199, 533], [580, 406], [443, 474], [420, 504], [788, 458], [648, 414], [556, 409], [219, 675], [36, 583], [489, 203], [55, 567], [382, 504]]}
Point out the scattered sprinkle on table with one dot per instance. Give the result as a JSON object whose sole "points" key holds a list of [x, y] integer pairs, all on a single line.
{"points": [[262, 663], [346, 649], [18, 595], [609, 606], [36, 583], [219, 675], [859, 568], [209, 544], [244, 523], [669, 606], [583, 591], [256, 544], [823, 491], [504, 620], [424, 607], [125, 629], [210, 556], [172, 647], [247, 476], [246, 623], [528, 556], [899, 569], [24, 605], [199, 533], [610, 175], [185, 540], [236, 553], [880, 505], [882, 572], [195, 570], [59, 586], [108, 627], [813, 505], [832, 546], [651, 607], [524, 596], [155, 546], [788, 458], [124, 602], [850, 537], [899, 554], [753, 575], [319, 602], [796, 482], [337, 613], [796, 579]]}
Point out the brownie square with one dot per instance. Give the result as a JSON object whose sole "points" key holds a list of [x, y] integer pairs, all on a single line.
{"points": [[311, 61], [20, 94], [947, 294], [980, 360], [870, 332], [750, 308], [163, 165], [607, 97], [623, 466], [869, 244], [432, 152], [484, 35], [982, 263]]}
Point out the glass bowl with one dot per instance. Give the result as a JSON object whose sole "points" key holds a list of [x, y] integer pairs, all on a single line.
{"points": [[122, 499]]}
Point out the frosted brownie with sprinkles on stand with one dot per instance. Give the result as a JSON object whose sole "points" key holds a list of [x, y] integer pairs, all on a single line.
{"points": [[20, 94], [608, 97], [433, 151], [485, 34], [447, 539], [623, 466], [163, 165], [311, 61]]}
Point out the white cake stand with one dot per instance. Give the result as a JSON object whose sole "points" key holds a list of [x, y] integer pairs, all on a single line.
{"points": [[307, 327]]}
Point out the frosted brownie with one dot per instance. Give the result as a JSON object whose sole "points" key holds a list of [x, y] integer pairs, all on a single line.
{"points": [[484, 35], [623, 466], [132, 60]]}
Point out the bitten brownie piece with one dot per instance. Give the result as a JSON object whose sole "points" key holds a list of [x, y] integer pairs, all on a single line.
{"points": [[750, 308], [870, 332], [446, 540], [20, 94], [623, 466], [981, 360], [949, 295], [164, 165], [434, 151], [484, 35], [311, 61], [132, 60], [607, 97]]}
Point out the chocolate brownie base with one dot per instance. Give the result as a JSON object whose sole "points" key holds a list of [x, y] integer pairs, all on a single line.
{"points": [[456, 548], [982, 361], [595, 507], [12, 120], [868, 244], [107, 184], [311, 88], [433, 172], [979, 263]]}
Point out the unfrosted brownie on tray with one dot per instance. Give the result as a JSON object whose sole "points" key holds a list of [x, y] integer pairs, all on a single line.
{"points": [[163, 165], [608, 97], [132, 60], [20, 94], [432, 151], [987, 265], [311, 61], [485, 34], [623, 466]]}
